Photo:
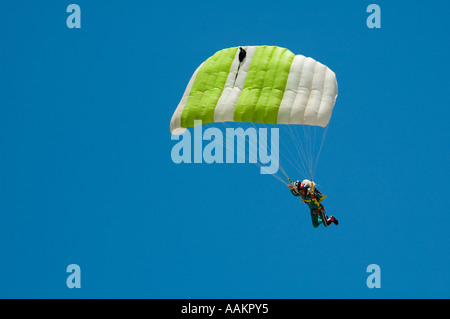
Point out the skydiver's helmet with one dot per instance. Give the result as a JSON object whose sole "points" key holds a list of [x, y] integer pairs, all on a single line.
{"points": [[302, 185], [306, 184]]}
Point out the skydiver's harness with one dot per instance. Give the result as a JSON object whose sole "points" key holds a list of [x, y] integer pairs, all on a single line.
{"points": [[315, 201]]}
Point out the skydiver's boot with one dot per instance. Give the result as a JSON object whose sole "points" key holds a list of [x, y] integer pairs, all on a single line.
{"points": [[332, 219]]}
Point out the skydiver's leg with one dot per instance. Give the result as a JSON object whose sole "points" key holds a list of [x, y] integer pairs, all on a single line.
{"points": [[316, 220], [324, 217]]}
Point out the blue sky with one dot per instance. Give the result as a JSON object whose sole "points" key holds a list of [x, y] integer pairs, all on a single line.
{"points": [[87, 176]]}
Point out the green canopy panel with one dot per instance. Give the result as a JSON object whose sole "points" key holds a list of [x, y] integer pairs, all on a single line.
{"points": [[259, 84]]}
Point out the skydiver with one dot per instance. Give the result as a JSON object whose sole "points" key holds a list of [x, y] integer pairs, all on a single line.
{"points": [[313, 198]]}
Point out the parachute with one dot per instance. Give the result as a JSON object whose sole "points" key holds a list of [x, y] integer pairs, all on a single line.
{"points": [[259, 84]]}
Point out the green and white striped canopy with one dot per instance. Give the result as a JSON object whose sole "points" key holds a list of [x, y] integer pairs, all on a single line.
{"points": [[270, 85]]}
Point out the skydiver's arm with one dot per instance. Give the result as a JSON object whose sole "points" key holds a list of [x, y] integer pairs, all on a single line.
{"points": [[316, 192], [319, 196], [293, 190]]}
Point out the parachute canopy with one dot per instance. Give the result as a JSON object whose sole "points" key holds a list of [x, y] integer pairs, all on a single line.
{"points": [[258, 84]]}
